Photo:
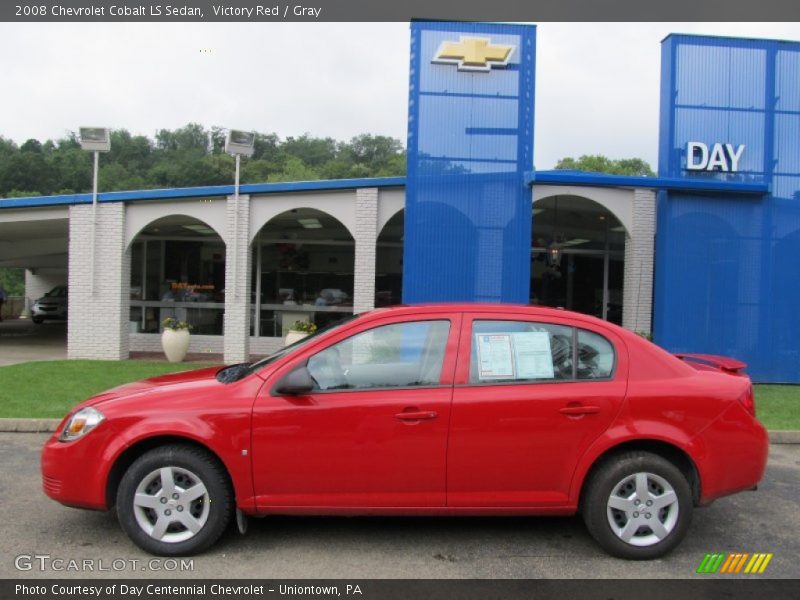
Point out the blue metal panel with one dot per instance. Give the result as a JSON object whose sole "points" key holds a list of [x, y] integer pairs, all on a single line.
{"points": [[204, 192], [700, 185], [726, 265], [470, 141]]}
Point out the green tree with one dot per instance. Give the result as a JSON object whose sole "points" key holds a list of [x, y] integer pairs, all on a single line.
{"points": [[190, 137], [189, 156], [13, 280], [597, 163], [31, 146], [312, 151], [373, 151], [258, 170], [72, 168], [7, 147], [295, 170], [27, 171]]}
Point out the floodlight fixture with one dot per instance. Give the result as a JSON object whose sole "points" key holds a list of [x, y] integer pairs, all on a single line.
{"points": [[240, 143], [95, 139]]}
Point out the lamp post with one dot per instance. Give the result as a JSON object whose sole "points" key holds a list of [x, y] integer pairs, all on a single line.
{"points": [[96, 140], [238, 143]]}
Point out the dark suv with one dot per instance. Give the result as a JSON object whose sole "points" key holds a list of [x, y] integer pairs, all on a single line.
{"points": [[53, 305]]}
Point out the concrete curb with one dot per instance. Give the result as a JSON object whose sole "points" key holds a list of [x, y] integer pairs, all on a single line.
{"points": [[49, 425], [28, 425], [784, 437]]}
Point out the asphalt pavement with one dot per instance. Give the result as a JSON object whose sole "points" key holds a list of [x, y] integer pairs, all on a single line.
{"points": [[33, 527]]}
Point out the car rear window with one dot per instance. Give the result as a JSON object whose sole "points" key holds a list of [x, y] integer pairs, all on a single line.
{"points": [[526, 351]]}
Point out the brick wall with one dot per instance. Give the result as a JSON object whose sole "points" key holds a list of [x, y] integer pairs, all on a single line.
{"points": [[99, 319], [237, 281], [366, 235], [637, 303], [98, 311]]}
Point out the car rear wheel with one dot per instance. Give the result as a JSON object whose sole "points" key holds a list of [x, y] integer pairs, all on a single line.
{"points": [[637, 505], [175, 500]]}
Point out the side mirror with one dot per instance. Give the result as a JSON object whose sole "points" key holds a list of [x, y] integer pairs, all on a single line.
{"points": [[296, 383]]}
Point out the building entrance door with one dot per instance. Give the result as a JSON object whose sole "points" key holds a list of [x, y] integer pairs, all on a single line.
{"points": [[586, 282], [577, 257]]}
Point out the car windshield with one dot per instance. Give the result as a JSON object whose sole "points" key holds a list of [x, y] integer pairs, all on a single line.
{"points": [[237, 372], [57, 292]]}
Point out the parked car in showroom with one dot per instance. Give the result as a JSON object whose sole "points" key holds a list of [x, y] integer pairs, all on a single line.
{"points": [[422, 410], [53, 305]]}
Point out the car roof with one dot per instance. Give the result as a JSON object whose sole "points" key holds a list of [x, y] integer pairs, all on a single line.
{"points": [[478, 307]]}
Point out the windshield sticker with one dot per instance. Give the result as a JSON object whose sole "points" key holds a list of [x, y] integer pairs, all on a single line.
{"points": [[495, 357], [532, 355]]}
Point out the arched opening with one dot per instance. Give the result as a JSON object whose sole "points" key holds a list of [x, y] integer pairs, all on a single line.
{"points": [[577, 257], [303, 267], [178, 271], [389, 262]]}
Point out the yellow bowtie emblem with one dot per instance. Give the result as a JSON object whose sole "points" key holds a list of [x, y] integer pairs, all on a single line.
{"points": [[473, 54]]}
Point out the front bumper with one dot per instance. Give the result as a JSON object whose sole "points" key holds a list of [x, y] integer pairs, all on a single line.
{"points": [[75, 473], [48, 312]]}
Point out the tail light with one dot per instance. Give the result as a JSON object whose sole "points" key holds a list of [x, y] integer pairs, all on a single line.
{"points": [[748, 400]]}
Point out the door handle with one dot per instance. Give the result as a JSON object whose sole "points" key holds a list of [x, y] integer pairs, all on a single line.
{"points": [[576, 411], [417, 415]]}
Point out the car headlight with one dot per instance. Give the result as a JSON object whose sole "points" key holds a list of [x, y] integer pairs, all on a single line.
{"points": [[81, 423]]}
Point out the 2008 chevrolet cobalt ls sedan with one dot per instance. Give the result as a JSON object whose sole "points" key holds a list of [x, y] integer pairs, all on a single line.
{"points": [[427, 410]]}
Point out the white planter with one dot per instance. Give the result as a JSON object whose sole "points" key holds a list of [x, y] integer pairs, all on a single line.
{"points": [[175, 344], [294, 336]]}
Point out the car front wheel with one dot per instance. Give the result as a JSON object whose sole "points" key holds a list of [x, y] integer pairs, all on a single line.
{"points": [[637, 505], [175, 500]]}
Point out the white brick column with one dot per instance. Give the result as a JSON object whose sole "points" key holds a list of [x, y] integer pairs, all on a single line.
{"points": [[637, 301], [366, 238], [98, 325], [237, 281]]}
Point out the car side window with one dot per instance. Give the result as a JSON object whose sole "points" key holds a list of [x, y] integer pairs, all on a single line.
{"points": [[398, 355], [504, 351], [595, 356]]}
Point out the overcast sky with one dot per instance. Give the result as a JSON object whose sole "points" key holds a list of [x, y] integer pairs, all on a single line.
{"points": [[597, 84]]}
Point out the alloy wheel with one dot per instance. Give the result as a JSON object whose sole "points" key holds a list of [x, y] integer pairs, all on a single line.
{"points": [[642, 509], [171, 504]]}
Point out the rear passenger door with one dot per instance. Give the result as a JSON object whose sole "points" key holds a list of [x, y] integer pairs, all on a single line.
{"points": [[530, 396]]}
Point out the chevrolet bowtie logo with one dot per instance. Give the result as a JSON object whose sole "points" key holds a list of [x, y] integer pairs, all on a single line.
{"points": [[473, 54]]}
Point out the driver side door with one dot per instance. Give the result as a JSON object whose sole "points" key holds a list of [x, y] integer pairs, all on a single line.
{"points": [[372, 432]]}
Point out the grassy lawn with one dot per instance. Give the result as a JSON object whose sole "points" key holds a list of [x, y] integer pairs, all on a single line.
{"points": [[778, 406], [49, 389]]}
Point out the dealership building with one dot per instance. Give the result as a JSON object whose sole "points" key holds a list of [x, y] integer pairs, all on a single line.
{"points": [[704, 256]]}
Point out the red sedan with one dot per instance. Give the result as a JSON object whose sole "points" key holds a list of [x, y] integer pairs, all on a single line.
{"points": [[427, 410]]}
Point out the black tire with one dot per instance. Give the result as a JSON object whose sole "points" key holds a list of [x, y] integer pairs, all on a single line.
{"points": [[37, 320], [615, 476], [187, 466]]}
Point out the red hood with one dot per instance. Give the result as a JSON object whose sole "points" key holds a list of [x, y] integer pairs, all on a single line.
{"points": [[173, 381]]}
